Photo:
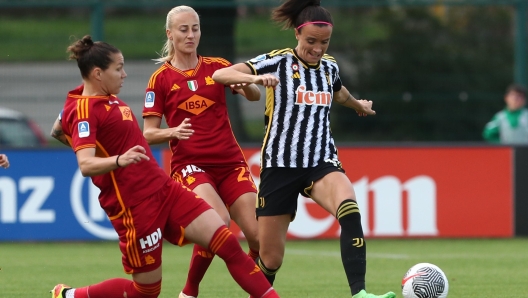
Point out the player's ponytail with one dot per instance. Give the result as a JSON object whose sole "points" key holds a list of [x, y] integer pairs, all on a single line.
{"points": [[90, 54], [294, 13]]}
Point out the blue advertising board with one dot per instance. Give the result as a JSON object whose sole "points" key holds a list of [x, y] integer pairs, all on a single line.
{"points": [[43, 196]]}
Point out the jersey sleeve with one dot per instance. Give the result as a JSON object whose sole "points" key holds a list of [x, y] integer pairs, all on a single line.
{"points": [[265, 63], [83, 121], [155, 95], [337, 85]]}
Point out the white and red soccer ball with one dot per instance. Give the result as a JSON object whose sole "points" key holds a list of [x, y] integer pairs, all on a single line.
{"points": [[425, 280]]}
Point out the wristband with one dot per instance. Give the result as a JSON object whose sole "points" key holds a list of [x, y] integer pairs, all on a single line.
{"points": [[117, 161]]}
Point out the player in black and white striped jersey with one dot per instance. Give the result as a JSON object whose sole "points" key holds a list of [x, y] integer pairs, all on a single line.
{"points": [[299, 154]]}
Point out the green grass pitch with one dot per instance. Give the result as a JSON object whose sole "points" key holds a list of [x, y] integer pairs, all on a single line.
{"points": [[474, 267]]}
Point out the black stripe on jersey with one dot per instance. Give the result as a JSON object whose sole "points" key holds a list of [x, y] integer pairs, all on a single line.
{"points": [[281, 114]]}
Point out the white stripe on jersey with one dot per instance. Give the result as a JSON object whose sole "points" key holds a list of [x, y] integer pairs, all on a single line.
{"points": [[299, 134]]}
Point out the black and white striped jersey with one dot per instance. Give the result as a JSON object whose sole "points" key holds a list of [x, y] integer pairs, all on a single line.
{"points": [[297, 115]]}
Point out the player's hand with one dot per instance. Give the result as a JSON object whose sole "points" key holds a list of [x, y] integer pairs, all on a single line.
{"points": [[133, 155], [182, 131], [266, 80], [365, 108], [4, 162]]}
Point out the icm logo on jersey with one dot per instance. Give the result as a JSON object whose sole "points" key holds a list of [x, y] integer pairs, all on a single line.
{"points": [[84, 129], [150, 242], [149, 99], [312, 98], [84, 199]]}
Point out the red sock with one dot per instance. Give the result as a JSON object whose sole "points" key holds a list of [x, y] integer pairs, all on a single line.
{"points": [[243, 269], [253, 254], [119, 288], [200, 261]]}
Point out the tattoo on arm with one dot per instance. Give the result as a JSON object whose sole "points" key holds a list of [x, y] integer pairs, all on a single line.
{"points": [[60, 136]]}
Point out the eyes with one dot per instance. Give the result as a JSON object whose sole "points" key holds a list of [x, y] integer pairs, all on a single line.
{"points": [[313, 41], [185, 29]]}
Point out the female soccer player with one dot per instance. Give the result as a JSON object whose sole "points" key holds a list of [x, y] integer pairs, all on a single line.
{"points": [[205, 155], [144, 205], [299, 154]]}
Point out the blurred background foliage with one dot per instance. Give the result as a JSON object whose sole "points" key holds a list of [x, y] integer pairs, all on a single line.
{"points": [[435, 73]]}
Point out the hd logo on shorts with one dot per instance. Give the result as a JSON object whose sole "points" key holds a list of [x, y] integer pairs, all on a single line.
{"points": [[150, 242], [196, 104]]}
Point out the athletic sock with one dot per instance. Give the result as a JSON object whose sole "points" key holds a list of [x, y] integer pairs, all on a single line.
{"points": [[353, 247], [253, 254], [117, 287], [200, 261], [268, 273], [243, 269]]}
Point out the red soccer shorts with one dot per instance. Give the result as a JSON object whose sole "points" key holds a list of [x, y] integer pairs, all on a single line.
{"points": [[230, 182], [163, 215]]}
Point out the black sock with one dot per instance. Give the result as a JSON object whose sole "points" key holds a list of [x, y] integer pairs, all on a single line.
{"points": [[268, 273], [353, 247]]}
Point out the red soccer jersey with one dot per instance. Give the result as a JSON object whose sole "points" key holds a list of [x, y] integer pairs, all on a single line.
{"points": [[107, 124], [193, 94]]}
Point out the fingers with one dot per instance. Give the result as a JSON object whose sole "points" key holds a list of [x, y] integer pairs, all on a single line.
{"points": [[268, 80]]}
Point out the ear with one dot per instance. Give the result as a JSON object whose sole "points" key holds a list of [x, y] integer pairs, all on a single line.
{"points": [[169, 34], [297, 33], [96, 73]]}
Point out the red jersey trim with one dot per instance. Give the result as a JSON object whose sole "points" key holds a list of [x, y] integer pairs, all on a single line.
{"points": [[183, 73], [153, 114], [84, 147]]}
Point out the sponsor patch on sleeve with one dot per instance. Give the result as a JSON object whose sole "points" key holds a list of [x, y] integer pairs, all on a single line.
{"points": [[149, 99], [84, 129], [258, 58]]}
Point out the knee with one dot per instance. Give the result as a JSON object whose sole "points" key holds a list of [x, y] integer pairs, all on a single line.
{"points": [[272, 260]]}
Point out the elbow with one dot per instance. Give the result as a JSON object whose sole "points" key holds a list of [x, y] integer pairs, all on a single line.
{"points": [[217, 77], [84, 171], [148, 137]]}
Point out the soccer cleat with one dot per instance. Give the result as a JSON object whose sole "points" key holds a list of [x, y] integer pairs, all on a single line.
{"points": [[184, 296], [364, 294], [59, 290]]}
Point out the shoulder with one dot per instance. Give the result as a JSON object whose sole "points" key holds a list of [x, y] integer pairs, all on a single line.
{"points": [[330, 60], [275, 55], [216, 61]]}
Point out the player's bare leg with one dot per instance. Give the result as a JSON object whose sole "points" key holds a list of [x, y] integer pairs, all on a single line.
{"points": [[202, 257], [208, 230], [243, 213]]}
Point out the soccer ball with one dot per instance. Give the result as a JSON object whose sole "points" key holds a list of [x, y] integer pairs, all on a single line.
{"points": [[425, 280]]}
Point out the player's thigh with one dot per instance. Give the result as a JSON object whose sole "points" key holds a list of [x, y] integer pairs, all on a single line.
{"points": [[331, 190], [272, 236], [203, 227], [208, 193], [243, 213]]}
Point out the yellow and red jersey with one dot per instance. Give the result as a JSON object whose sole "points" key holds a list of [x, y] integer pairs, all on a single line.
{"points": [[107, 124], [177, 94]]}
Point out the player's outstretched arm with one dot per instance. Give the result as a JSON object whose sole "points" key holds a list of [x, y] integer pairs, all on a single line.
{"points": [[362, 107], [241, 73], [156, 135], [250, 91], [91, 165]]}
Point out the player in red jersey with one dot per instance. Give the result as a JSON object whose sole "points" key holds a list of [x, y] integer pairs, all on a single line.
{"points": [[205, 155], [144, 205]]}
